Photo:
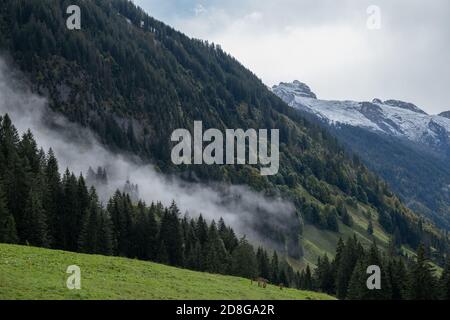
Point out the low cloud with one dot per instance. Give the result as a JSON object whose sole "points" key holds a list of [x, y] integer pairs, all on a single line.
{"points": [[327, 44], [77, 148]]}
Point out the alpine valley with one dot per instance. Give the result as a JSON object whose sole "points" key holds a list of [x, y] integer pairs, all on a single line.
{"points": [[407, 147], [132, 80]]}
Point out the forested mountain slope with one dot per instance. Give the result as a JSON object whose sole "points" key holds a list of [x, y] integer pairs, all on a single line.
{"points": [[405, 146], [133, 80]]}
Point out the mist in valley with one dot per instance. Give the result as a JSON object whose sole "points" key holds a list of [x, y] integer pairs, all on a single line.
{"points": [[78, 149]]}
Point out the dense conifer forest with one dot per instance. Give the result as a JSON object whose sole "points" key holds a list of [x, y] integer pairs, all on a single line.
{"points": [[63, 213], [132, 80]]}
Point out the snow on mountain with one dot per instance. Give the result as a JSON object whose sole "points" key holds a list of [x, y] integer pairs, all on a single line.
{"points": [[445, 114], [392, 117]]}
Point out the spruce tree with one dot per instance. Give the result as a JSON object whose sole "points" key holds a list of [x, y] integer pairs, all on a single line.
{"points": [[357, 289], [444, 282], [308, 278], [275, 267], [8, 232], [53, 200], [170, 234], [15, 176], [244, 260], [35, 231], [323, 277], [105, 240], [263, 264], [216, 260], [370, 227], [397, 277], [421, 283]]}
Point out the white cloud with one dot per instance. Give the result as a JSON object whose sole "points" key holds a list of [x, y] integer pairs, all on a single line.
{"points": [[326, 44]]}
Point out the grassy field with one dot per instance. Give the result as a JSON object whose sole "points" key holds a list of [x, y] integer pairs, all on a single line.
{"points": [[35, 273]]}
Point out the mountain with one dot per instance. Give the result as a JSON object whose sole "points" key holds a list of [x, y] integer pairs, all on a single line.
{"points": [[445, 114], [133, 80], [403, 144], [392, 117]]}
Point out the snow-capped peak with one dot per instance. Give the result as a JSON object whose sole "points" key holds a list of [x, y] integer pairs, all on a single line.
{"points": [[392, 117], [404, 105], [445, 114], [293, 89]]}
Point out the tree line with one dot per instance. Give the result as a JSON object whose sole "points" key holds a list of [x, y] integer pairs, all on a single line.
{"points": [[402, 277], [133, 111], [39, 207]]}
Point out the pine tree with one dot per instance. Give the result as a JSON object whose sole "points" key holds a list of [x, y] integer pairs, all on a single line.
{"points": [[191, 244], [308, 279], [170, 234], [151, 235], [275, 265], [35, 231], [374, 259], [444, 282], [95, 235], [68, 234], [397, 277], [105, 240], [15, 174], [120, 209], [228, 236], [53, 200], [8, 232], [244, 260], [350, 255], [201, 230], [421, 282], [163, 255], [370, 227], [323, 277], [216, 260], [357, 285], [263, 263], [87, 242]]}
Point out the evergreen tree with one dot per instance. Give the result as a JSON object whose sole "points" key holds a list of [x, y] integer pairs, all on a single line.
{"points": [[8, 232], [244, 262], [370, 227], [121, 209], [357, 288], [216, 260], [35, 231], [170, 234], [275, 267], [350, 255], [105, 240], [444, 282], [397, 277], [163, 255], [263, 263], [228, 236], [15, 174], [308, 282], [421, 283], [53, 200], [96, 234]]}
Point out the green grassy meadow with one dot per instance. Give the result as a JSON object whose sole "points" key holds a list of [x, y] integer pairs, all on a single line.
{"points": [[36, 273]]}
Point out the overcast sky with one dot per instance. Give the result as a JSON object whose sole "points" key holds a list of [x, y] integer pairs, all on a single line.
{"points": [[327, 44]]}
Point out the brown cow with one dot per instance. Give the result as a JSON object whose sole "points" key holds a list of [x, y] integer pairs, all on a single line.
{"points": [[261, 282]]}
